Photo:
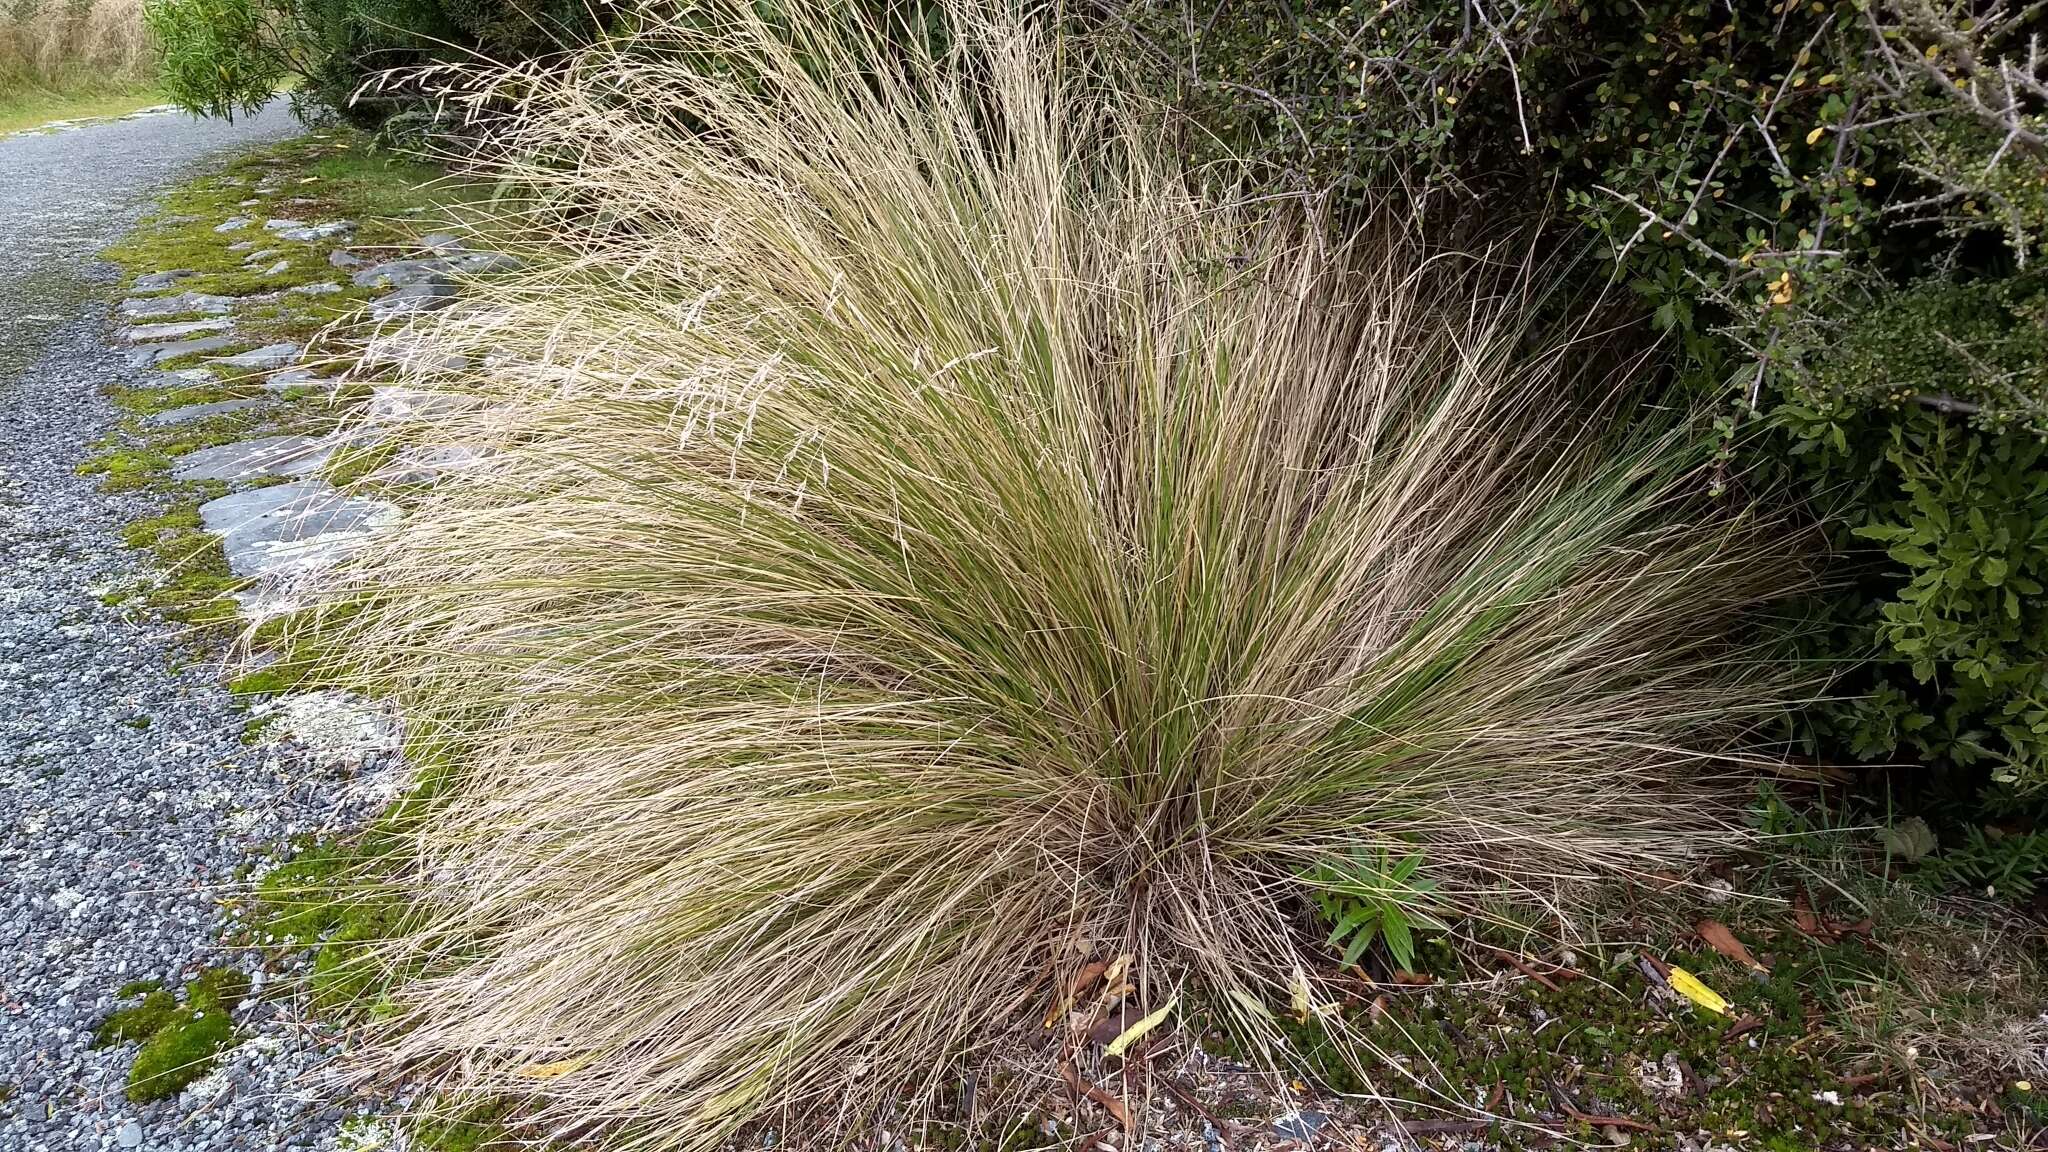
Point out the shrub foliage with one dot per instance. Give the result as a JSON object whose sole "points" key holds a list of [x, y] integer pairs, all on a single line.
{"points": [[1834, 208], [224, 57]]}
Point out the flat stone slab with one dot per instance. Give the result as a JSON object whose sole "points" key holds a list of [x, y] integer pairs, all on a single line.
{"points": [[250, 459], [322, 288], [151, 333], [191, 412], [261, 359], [292, 526], [158, 281], [184, 303], [399, 273], [158, 353], [424, 464], [182, 378], [312, 233], [394, 404], [293, 378], [428, 294], [233, 224]]}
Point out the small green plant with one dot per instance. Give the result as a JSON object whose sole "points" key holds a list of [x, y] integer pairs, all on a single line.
{"points": [[1370, 898], [2005, 866]]}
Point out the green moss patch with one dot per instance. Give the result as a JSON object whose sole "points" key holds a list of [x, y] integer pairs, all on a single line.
{"points": [[181, 1037]]}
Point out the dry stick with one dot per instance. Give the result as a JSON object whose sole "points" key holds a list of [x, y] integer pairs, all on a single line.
{"points": [[1525, 970], [1514, 74]]}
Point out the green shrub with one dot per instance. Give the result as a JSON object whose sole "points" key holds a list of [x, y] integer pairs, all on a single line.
{"points": [[1832, 209], [348, 57], [219, 57]]}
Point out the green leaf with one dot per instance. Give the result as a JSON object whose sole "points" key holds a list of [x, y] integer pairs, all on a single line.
{"points": [[1400, 941]]}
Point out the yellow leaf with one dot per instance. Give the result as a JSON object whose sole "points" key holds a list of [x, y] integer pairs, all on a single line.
{"points": [[1816, 134], [1830, 78], [1250, 1003], [553, 1069], [1129, 1036], [1689, 986]]}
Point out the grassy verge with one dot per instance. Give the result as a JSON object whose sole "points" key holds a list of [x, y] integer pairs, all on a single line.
{"points": [[26, 108]]}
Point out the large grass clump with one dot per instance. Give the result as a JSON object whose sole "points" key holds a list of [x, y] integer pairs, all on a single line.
{"points": [[72, 46], [921, 547]]}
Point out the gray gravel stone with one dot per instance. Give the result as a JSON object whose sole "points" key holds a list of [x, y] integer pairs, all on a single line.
{"points": [[233, 224], [1301, 1125], [342, 258]]}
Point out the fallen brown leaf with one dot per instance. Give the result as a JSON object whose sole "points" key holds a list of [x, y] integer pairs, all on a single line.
{"points": [[1743, 1025], [1109, 1102], [1112, 1026], [1807, 922], [1082, 981], [1720, 939]]}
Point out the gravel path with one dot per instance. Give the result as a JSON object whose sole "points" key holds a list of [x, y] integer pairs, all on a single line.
{"points": [[128, 802]]}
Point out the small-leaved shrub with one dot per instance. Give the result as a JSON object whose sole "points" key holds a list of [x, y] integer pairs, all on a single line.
{"points": [[1834, 210]]}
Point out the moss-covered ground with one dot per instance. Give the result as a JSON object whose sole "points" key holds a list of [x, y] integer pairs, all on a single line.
{"points": [[323, 176], [180, 1034]]}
